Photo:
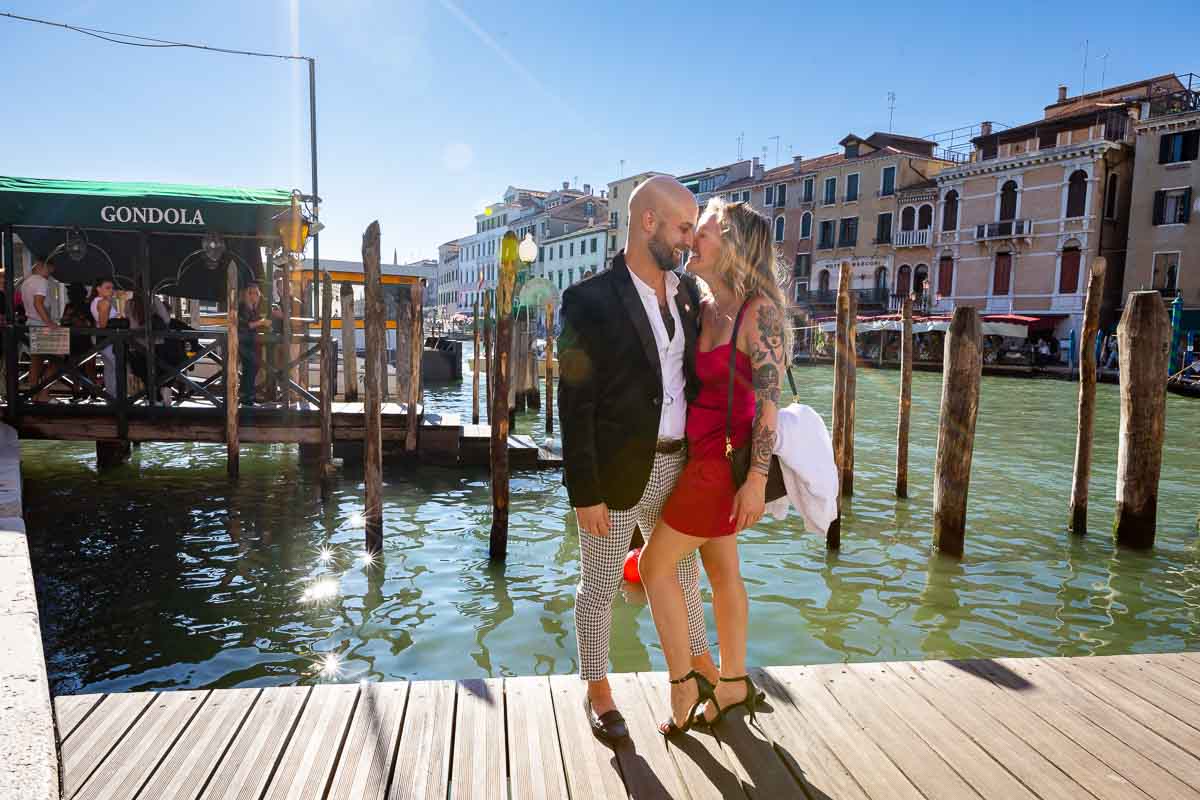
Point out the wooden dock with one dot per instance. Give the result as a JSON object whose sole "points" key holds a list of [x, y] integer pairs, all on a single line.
{"points": [[1103, 727]]}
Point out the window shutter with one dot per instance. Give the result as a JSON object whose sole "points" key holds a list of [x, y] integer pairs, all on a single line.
{"points": [[1186, 211], [782, 194], [1191, 145], [1068, 276], [946, 276], [1164, 149], [1160, 207]]}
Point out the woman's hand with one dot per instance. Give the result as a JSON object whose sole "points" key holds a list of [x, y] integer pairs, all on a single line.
{"points": [[750, 501]]}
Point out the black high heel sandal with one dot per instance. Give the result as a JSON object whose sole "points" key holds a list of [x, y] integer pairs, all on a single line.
{"points": [[706, 693], [749, 702]]}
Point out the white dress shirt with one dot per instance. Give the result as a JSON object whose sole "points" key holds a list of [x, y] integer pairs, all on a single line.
{"points": [[672, 419]]}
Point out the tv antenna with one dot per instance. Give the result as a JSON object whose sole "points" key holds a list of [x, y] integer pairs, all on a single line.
{"points": [[741, 138], [776, 138], [1083, 79], [1103, 67], [891, 109]]}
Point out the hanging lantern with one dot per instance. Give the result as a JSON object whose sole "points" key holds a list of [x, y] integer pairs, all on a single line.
{"points": [[77, 245], [213, 247], [293, 226]]}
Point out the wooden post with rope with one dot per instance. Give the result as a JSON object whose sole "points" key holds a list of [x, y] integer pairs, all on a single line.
{"points": [[1143, 345], [373, 323], [902, 424], [498, 417], [349, 346], [963, 370], [1087, 398], [232, 376]]}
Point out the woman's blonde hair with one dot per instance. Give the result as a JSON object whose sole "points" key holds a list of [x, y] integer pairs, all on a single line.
{"points": [[748, 263]]}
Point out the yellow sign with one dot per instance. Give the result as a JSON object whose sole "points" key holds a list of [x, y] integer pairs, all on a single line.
{"points": [[508, 274]]}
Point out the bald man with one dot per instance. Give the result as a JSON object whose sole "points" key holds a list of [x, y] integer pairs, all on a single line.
{"points": [[626, 353]]}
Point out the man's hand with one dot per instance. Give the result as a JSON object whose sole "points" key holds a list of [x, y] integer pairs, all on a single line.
{"points": [[750, 501], [593, 519]]}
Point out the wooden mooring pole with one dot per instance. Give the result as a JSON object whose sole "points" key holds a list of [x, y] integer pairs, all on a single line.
{"points": [[373, 323], [902, 424], [416, 342], [1143, 344], [962, 371], [327, 368], [349, 345], [833, 537], [1087, 398], [518, 351], [403, 348], [498, 416], [475, 367], [851, 384], [549, 368], [285, 346], [232, 376], [487, 351]]}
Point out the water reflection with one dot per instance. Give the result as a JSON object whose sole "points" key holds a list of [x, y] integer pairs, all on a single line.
{"points": [[165, 574]]}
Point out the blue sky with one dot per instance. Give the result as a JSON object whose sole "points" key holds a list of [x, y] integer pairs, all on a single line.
{"points": [[427, 110]]}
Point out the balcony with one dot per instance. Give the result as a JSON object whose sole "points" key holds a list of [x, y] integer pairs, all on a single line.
{"points": [[1001, 304], [1005, 229], [816, 298], [825, 244], [873, 298], [912, 238]]}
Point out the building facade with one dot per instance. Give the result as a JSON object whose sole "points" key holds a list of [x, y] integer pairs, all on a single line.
{"points": [[1020, 223], [567, 259], [1164, 218], [618, 211], [447, 281]]}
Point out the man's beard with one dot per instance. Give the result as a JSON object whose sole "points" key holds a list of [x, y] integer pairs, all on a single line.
{"points": [[664, 255]]}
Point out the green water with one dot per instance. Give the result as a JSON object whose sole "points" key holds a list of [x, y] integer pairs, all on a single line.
{"points": [[164, 574]]}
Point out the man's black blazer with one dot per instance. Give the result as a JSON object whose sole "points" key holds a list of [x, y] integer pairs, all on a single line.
{"points": [[611, 389]]}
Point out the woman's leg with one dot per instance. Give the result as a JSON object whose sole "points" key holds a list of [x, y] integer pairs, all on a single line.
{"points": [[658, 562], [731, 608]]}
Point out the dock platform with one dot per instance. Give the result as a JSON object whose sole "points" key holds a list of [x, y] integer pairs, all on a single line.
{"points": [[1096, 727]]}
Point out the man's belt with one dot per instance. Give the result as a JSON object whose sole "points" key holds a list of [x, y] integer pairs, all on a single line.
{"points": [[669, 446]]}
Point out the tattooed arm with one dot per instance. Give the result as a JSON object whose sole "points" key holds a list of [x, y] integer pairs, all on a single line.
{"points": [[762, 337]]}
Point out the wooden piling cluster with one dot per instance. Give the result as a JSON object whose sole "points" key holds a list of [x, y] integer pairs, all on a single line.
{"points": [[961, 375], [1087, 398], [373, 318]]}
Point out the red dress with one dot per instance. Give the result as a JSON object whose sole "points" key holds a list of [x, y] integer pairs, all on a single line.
{"points": [[702, 500]]}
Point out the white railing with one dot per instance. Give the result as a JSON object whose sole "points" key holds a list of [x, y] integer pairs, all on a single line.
{"points": [[999, 305], [1003, 230], [912, 238], [1066, 302]]}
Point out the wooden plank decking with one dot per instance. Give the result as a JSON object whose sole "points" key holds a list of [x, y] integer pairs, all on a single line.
{"points": [[1108, 728]]}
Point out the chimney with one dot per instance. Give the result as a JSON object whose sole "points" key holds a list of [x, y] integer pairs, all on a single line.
{"points": [[757, 169], [591, 221], [566, 185], [985, 128], [587, 188], [1062, 93], [603, 193], [796, 164]]}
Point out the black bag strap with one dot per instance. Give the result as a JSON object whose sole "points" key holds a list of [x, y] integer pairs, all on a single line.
{"points": [[737, 324]]}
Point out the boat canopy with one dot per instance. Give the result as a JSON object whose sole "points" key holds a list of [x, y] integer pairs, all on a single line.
{"points": [[137, 231], [1013, 325]]}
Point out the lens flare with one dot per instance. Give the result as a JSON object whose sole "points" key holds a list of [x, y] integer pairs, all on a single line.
{"points": [[329, 665], [320, 591], [325, 556], [367, 558]]}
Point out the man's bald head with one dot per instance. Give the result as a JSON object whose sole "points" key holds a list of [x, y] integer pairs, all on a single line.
{"points": [[662, 219]]}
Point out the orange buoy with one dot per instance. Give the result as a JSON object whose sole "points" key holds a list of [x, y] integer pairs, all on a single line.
{"points": [[632, 574]]}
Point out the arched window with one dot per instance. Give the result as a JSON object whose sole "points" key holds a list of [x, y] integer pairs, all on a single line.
{"points": [[1068, 272], [908, 219], [950, 211], [779, 229], [1077, 193], [806, 226], [921, 280], [881, 280], [925, 218], [1008, 201], [823, 281], [902, 280]]}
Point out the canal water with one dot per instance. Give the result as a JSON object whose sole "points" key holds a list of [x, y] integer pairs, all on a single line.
{"points": [[163, 574]]}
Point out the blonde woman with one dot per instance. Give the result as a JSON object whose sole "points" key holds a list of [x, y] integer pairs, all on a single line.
{"points": [[735, 257]]}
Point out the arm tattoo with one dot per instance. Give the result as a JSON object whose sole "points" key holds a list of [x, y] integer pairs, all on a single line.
{"points": [[767, 359]]}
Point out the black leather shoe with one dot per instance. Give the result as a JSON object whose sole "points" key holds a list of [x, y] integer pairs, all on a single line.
{"points": [[609, 726]]}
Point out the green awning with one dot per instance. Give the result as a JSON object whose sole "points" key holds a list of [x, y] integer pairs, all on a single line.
{"points": [[150, 207]]}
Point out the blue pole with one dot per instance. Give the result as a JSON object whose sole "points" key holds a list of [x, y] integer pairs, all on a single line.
{"points": [[1176, 333], [1071, 348]]}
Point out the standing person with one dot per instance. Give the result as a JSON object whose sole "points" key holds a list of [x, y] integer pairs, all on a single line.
{"points": [[76, 314], [249, 323], [34, 290], [735, 257], [104, 309], [626, 337]]}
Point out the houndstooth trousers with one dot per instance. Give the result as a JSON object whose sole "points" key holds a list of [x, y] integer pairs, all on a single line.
{"points": [[602, 562]]}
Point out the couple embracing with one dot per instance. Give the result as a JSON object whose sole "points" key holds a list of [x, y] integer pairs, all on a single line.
{"points": [[649, 428]]}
